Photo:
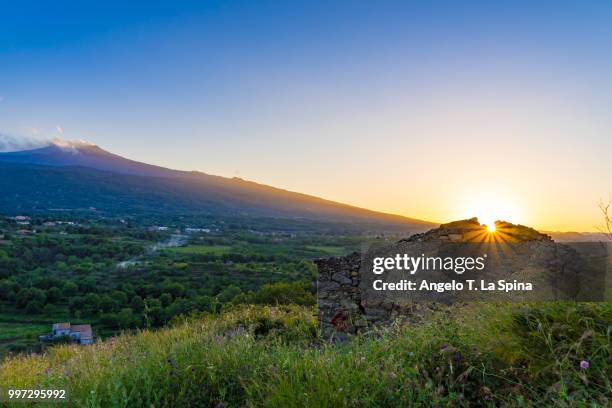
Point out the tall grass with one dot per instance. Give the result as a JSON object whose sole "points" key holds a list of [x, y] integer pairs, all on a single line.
{"points": [[264, 356]]}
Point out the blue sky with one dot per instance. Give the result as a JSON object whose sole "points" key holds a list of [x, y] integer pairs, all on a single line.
{"points": [[407, 107]]}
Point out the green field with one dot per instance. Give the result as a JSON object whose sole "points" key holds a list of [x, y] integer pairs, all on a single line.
{"points": [[201, 249], [267, 249], [327, 249], [19, 331]]}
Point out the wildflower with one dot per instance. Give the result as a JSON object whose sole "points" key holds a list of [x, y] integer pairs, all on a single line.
{"points": [[193, 369], [474, 349], [584, 364], [443, 346], [457, 357]]}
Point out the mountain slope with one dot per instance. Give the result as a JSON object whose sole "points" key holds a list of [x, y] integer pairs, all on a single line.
{"points": [[83, 176], [87, 155]]}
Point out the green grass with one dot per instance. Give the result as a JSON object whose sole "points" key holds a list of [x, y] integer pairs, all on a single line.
{"points": [[17, 330], [272, 357], [327, 249], [201, 249], [261, 249]]}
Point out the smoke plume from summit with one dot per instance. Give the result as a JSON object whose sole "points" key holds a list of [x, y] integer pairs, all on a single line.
{"points": [[11, 143]]}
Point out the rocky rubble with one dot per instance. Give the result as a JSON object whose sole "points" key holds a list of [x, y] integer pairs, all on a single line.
{"points": [[472, 231]]}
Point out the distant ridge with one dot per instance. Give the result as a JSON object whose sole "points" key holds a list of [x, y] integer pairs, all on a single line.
{"points": [[82, 175]]}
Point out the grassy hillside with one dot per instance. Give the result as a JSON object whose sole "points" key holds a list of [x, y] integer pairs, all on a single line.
{"points": [[483, 355]]}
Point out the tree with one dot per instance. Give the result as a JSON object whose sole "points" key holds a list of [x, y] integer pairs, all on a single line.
{"points": [[125, 318], [107, 304], [206, 303], [229, 293], [54, 294], [46, 282], [5, 264], [154, 313], [137, 304], [91, 303], [120, 297], [50, 309], [76, 305], [282, 293], [8, 289], [34, 307], [128, 289], [165, 299], [174, 288], [109, 320], [28, 295], [70, 289], [178, 307], [606, 211]]}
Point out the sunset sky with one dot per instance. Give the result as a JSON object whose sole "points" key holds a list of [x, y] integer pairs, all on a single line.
{"points": [[433, 110]]}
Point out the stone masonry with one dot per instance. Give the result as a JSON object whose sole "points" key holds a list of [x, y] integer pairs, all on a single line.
{"points": [[345, 308]]}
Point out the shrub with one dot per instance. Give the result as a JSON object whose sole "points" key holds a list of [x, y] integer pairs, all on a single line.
{"points": [[280, 293]]}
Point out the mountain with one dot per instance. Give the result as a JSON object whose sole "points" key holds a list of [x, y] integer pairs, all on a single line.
{"points": [[64, 154], [572, 236], [81, 175]]}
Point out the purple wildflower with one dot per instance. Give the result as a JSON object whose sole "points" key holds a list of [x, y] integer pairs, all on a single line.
{"points": [[584, 364], [443, 346], [457, 357], [193, 369]]}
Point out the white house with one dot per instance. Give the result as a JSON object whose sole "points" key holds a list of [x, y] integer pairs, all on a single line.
{"points": [[80, 333], [61, 329]]}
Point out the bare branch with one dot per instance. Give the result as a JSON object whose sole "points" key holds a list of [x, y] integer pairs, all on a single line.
{"points": [[606, 210]]}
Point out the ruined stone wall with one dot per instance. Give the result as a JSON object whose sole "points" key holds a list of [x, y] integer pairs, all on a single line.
{"points": [[338, 296], [346, 307], [341, 309]]}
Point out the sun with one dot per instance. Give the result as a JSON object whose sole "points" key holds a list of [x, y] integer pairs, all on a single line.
{"points": [[490, 207]]}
